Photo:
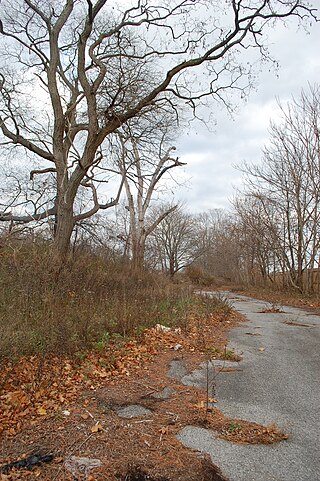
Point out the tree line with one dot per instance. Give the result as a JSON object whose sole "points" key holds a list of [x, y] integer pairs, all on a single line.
{"points": [[92, 97], [77, 75], [279, 208]]}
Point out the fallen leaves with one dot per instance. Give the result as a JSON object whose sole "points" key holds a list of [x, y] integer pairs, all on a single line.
{"points": [[229, 369], [37, 388], [96, 428], [204, 404], [298, 324], [244, 432], [164, 430], [212, 400], [240, 431], [41, 411], [109, 376]]}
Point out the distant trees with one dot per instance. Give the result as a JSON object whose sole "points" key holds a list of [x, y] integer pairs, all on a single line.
{"points": [[216, 232], [72, 73], [274, 234], [256, 233], [174, 243], [281, 207]]}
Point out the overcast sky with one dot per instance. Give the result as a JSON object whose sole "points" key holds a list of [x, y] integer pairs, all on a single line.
{"points": [[210, 175]]}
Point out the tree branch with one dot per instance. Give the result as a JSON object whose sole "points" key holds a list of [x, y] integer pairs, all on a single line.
{"points": [[25, 219], [18, 139], [41, 171]]}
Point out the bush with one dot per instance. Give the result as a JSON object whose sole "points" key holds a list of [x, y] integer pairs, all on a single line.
{"points": [[198, 276]]}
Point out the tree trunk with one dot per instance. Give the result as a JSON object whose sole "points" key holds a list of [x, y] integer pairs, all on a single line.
{"points": [[138, 251], [172, 265], [63, 231]]}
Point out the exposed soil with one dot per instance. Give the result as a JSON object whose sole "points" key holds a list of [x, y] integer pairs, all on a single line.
{"points": [[76, 413]]}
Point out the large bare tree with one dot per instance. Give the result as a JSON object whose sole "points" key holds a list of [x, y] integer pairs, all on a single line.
{"points": [[74, 71]]}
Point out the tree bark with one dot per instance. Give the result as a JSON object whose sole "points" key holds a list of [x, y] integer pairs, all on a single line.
{"points": [[63, 231]]}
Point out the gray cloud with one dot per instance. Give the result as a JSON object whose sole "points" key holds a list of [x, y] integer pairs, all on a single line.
{"points": [[212, 154]]}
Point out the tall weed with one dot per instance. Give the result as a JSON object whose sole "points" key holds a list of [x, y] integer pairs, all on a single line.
{"points": [[94, 299]]}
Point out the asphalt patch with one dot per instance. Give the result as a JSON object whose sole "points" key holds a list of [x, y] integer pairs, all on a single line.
{"points": [[133, 411], [166, 393], [177, 369]]}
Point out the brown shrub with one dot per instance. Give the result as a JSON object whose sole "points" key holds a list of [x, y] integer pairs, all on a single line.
{"points": [[198, 276]]}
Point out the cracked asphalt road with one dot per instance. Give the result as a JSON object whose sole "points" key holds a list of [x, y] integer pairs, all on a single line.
{"points": [[279, 383]]}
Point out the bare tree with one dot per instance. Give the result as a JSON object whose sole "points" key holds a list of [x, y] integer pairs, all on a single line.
{"points": [[257, 233], [220, 254], [174, 244], [145, 160], [73, 72], [287, 189]]}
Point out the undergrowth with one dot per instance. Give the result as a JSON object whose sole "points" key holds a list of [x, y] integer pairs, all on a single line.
{"points": [[95, 299]]}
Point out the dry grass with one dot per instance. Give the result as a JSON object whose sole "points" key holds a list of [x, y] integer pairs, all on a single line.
{"points": [[93, 300], [81, 360]]}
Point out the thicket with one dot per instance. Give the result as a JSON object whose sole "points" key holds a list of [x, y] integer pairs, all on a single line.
{"points": [[94, 298]]}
